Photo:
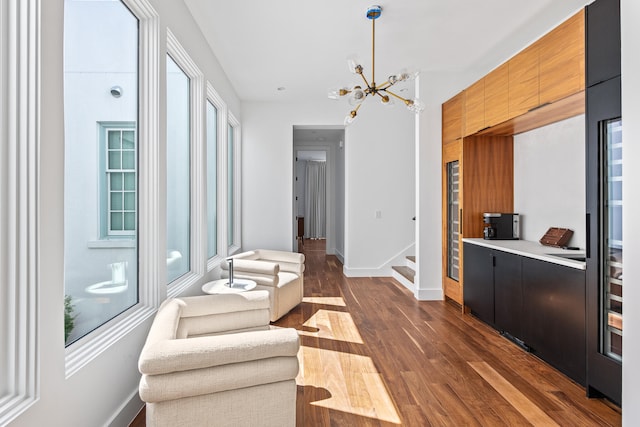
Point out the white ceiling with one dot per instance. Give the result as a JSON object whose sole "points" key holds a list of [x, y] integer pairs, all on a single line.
{"points": [[302, 45]]}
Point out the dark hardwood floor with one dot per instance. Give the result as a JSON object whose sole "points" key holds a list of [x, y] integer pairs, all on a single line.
{"points": [[372, 355]]}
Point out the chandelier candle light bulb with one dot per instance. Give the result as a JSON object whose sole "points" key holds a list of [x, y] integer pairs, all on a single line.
{"points": [[357, 94]]}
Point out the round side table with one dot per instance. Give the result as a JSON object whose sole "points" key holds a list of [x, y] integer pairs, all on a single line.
{"points": [[221, 286]]}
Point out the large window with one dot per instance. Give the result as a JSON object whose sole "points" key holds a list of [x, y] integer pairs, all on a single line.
{"points": [[178, 171], [212, 180], [100, 214]]}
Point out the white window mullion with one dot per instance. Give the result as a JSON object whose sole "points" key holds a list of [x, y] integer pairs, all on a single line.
{"points": [[237, 205], [20, 120]]}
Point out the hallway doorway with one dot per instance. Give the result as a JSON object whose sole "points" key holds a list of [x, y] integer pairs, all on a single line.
{"points": [[318, 193]]}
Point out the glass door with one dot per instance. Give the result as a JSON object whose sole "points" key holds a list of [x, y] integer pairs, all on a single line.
{"points": [[612, 240]]}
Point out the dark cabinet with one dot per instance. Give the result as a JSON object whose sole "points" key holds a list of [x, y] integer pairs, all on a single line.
{"points": [[493, 289], [539, 305], [478, 282], [603, 53], [604, 164], [507, 281], [554, 315]]}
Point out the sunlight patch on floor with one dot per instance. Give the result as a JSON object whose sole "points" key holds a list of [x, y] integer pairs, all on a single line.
{"points": [[337, 301], [334, 325], [352, 380]]}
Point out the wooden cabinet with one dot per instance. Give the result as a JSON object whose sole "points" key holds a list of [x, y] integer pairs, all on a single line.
{"points": [[476, 188], [551, 70], [452, 118], [523, 81], [496, 96], [561, 60], [451, 216], [474, 108]]}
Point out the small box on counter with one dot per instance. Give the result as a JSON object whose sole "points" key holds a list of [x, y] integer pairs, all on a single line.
{"points": [[558, 237]]}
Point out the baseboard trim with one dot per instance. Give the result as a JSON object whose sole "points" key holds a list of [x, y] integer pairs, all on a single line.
{"points": [[128, 411], [429, 294]]}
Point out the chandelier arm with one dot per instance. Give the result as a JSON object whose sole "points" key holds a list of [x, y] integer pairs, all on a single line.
{"points": [[406, 101], [385, 85], [365, 80]]}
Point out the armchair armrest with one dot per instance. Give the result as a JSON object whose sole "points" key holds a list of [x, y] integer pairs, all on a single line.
{"points": [[168, 356], [265, 268], [289, 261]]}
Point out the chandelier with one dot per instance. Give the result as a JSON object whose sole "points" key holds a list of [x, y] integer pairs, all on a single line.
{"points": [[357, 94]]}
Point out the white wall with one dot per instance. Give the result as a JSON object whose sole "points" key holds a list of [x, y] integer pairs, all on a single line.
{"points": [[379, 162], [107, 386], [549, 180], [630, 10]]}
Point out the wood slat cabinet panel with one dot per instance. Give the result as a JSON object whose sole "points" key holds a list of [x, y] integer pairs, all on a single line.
{"points": [[474, 108], [524, 81], [496, 96], [562, 60], [452, 118], [451, 152]]}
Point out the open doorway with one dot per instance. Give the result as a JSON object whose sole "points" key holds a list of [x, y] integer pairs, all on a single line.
{"points": [[318, 177]]}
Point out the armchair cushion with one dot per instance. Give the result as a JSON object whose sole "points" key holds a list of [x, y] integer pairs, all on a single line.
{"points": [[193, 365]]}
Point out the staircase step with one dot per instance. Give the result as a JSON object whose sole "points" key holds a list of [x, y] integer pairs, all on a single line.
{"points": [[412, 258], [406, 272]]}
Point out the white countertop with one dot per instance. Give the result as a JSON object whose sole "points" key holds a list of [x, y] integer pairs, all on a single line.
{"points": [[534, 250]]}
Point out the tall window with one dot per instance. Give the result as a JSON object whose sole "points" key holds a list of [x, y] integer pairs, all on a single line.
{"points": [[178, 171], [100, 237], [212, 181]]}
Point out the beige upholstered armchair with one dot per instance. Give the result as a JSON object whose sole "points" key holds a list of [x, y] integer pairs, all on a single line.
{"points": [[215, 360], [279, 272]]}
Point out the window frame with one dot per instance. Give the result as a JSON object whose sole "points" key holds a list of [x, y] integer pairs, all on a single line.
{"points": [[216, 100], [87, 348], [20, 48], [234, 244], [197, 161], [106, 233]]}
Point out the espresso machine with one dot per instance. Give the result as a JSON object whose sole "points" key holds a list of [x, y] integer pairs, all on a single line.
{"points": [[501, 226]]}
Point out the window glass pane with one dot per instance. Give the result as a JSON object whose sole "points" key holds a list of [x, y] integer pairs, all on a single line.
{"points": [[178, 171], [129, 201], [129, 181], [114, 139], [128, 140], [116, 181], [129, 221], [116, 221], [100, 51], [230, 186], [116, 201], [114, 160], [212, 181], [128, 160]]}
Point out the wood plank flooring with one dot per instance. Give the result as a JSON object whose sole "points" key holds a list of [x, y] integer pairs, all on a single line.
{"points": [[372, 355]]}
